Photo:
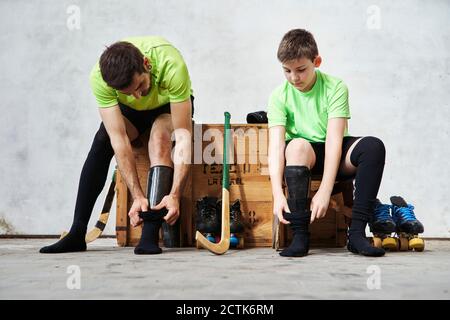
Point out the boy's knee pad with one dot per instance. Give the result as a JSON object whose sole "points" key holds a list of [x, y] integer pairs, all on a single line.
{"points": [[298, 179], [370, 149]]}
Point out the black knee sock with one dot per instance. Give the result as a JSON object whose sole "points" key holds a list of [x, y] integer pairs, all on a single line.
{"points": [[159, 183], [299, 222], [92, 181], [150, 232], [368, 157], [298, 181]]}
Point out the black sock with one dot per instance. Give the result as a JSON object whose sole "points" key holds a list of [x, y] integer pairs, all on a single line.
{"points": [[299, 223], [358, 243], [150, 232], [92, 180], [368, 157], [73, 241]]}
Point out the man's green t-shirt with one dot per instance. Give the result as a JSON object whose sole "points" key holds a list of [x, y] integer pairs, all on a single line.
{"points": [[170, 80], [305, 114]]}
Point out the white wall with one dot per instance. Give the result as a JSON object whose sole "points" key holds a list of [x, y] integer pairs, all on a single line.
{"points": [[398, 75]]}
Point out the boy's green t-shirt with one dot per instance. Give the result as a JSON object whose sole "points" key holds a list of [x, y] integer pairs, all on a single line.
{"points": [[305, 114], [170, 81]]}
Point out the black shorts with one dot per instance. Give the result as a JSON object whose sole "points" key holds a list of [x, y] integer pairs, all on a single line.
{"points": [[319, 150], [143, 120]]}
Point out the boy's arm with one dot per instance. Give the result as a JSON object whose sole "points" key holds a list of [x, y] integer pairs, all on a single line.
{"points": [[276, 166], [333, 150], [182, 124]]}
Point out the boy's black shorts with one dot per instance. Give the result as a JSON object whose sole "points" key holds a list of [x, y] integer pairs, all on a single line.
{"points": [[143, 120], [319, 150]]}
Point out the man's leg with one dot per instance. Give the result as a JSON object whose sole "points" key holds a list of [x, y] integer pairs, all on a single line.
{"points": [[365, 158], [300, 158], [92, 180], [159, 184]]}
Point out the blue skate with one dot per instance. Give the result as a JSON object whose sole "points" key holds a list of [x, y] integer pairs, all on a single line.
{"points": [[408, 227], [382, 227]]}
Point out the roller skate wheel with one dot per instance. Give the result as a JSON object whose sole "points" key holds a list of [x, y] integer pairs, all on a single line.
{"points": [[234, 241], [241, 243], [417, 244], [404, 244], [389, 244], [376, 242]]}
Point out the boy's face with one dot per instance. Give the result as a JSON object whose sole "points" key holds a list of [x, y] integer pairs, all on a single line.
{"points": [[140, 86], [301, 72]]}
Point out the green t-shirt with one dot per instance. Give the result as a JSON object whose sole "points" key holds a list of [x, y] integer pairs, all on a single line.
{"points": [[305, 114], [170, 80]]}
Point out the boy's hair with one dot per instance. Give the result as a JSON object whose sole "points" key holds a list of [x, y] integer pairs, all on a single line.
{"points": [[297, 44], [118, 64]]}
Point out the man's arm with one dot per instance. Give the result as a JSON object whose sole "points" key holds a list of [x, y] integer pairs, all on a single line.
{"points": [[333, 150], [182, 125], [113, 120]]}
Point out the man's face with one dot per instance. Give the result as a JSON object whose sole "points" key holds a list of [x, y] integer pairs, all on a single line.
{"points": [[301, 72], [140, 86]]}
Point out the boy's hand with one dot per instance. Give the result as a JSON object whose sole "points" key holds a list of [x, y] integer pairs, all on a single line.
{"points": [[280, 205], [139, 205], [319, 205], [172, 204]]}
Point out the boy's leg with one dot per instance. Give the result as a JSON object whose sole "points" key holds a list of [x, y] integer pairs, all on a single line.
{"points": [[92, 180], [365, 159], [300, 157]]}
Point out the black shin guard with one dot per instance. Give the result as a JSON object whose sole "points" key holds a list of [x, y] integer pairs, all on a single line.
{"points": [[160, 180], [298, 180], [368, 156], [159, 184]]}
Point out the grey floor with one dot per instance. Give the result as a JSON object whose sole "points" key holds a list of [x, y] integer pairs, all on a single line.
{"points": [[106, 271]]}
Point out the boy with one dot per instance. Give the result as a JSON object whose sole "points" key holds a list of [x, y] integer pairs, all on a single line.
{"points": [[139, 83], [308, 134]]}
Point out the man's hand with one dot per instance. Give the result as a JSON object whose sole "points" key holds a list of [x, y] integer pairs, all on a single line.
{"points": [[280, 205], [172, 204], [139, 205], [319, 205]]}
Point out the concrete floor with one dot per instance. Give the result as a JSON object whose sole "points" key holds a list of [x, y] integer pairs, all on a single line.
{"points": [[109, 272]]}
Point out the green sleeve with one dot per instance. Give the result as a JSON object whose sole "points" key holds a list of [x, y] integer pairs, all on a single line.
{"points": [[338, 102], [276, 112], [106, 96], [176, 78]]}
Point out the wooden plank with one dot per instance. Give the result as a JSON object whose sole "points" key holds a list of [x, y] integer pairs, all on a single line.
{"points": [[122, 222]]}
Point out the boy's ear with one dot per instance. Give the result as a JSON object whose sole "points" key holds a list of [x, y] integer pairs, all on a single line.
{"points": [[317, 61], [146, 64]]}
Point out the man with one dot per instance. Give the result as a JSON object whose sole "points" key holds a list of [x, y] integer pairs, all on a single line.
{"points": [[139, 83]]}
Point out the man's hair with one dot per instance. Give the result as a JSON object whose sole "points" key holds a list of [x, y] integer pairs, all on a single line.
{"points": [[297, 44], [118, 64]]}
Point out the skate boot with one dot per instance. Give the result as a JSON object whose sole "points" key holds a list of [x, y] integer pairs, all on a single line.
{"points": [[382, 227], [408, 227], [208, 218], [236, 226]]}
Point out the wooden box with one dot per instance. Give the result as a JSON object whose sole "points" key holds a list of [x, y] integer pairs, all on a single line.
{"points": [[249, 182]]}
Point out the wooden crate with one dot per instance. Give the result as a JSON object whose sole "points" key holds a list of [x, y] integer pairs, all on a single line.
{"points": [[249, 182]]}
